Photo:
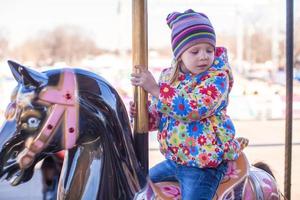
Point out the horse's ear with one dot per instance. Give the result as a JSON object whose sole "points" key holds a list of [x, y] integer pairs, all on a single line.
{"points": [[27, 76]]}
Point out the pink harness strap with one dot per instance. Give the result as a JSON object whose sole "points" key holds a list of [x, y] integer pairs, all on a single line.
{"points": [[65, 96], [64, 99]]}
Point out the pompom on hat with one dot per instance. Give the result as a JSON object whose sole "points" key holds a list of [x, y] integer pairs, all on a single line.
{"points": [[189, 28]]}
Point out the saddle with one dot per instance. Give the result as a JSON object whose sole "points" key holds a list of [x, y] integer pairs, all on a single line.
{"points": [[235, 176]]}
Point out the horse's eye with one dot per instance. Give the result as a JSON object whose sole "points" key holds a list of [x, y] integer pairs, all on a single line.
{"points": [[33, 122]]}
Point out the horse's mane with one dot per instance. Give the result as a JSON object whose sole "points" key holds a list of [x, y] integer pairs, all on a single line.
{"points": [[265, 167], [103, 115]]}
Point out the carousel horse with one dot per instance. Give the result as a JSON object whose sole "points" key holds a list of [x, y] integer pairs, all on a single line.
{"points": [[79, 112]]}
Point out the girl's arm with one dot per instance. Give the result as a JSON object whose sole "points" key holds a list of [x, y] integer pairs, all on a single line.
{"points": [[198, 102], [230, 145], [153, 114]]}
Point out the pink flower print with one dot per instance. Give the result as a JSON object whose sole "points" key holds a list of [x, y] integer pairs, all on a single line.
{"points": [[212, 163], [193, 104], [219, 51], [214, 142], [207, 100], [202, 140], [181, 77], [226, 147], [210, 90], [205, 77], [164, 134], [190, 141], [193, 115], [186, 151], [203, 157], [166, 91]]}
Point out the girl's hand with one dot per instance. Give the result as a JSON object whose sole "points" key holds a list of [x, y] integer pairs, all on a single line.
{"points": [[132, 109], [145, 80], [243, 142]]}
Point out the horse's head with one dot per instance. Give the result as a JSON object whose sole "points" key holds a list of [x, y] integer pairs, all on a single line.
{"points": [[42, 105], [61, 109]]}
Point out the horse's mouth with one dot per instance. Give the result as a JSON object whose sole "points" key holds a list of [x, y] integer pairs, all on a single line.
{"points": [[11, 172], [15, 178], [14, 175]]}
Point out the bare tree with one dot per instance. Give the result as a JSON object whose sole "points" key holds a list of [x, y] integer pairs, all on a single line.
{"points": [[64, 44], [260, 43], [69, 44]]}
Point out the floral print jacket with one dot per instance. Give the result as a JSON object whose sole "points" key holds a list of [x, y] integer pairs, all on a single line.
{"points": [[190, 115]]}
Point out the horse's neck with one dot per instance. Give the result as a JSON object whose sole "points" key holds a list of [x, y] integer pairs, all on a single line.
{"points": [[90, 174], [81, 174]]}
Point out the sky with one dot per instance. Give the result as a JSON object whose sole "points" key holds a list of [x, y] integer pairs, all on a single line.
{"points": [[108, 22]]}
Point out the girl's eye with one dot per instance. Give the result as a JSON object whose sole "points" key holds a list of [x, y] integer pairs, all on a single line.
{"points": [[209, 51], [33, 122], [194, 52]]}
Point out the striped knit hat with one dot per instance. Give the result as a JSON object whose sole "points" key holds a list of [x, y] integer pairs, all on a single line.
{"points": [[188, 29]]}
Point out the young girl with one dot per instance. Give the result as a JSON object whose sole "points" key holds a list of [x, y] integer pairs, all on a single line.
{"points": [[188, 108]]}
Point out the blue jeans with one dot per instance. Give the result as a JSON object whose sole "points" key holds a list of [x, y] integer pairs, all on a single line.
{"points": [[195, 183]]}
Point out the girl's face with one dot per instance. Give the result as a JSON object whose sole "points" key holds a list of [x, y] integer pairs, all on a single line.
{"points": [[198, 58]]}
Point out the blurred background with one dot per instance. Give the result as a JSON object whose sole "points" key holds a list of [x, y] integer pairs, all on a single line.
{"points": [[96, 35]]}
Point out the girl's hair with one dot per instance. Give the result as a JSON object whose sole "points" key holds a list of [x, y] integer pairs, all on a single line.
{"points": [[175, 70]]}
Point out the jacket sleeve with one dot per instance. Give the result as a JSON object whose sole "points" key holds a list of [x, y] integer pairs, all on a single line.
{"points": [[231, 149], [196, 101], [153, 114], [226, 137]]}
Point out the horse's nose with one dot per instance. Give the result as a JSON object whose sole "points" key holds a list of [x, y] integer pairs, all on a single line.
{"points": [[6, 132]]}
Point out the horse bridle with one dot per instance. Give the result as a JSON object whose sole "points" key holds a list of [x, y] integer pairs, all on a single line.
{"points": [[63, 100]]}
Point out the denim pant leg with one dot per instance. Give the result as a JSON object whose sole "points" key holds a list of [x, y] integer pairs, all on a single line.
{"points": [[163, 171], [200, 184]]}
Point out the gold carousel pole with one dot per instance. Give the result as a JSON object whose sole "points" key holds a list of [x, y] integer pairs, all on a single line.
{"points": [[140, 57], [289, 98]]}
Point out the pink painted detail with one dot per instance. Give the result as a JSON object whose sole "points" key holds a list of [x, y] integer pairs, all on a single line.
{"points": [[53, 118], [49, 126], [149, 192], [171, 191], [270, 188], [64, 102], [232, 171], [46, 131], [39, 144], [26, 160], [268, 185], [11, 110], [70, 127], [68, 96], [65, 95], [248, 193], [30, 153]]}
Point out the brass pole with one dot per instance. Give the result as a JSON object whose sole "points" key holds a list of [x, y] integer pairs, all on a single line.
{"points": [[289, 97], [140, 57]]}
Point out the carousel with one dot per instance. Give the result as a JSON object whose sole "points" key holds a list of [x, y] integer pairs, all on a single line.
{"points": [[80, 113]]}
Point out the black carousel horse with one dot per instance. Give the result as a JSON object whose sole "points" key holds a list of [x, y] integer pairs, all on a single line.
{"points": [[78, 111], [75, 110]]}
